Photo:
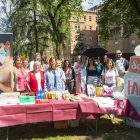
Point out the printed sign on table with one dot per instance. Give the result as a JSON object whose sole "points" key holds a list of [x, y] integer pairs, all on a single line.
{"points": [[132, 84], [6, 62], [91, 90]]}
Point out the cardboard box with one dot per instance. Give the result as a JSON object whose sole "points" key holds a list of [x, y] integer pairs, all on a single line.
{"points": [[28, 94], [74, 123], [61, 124], [27, 98]]}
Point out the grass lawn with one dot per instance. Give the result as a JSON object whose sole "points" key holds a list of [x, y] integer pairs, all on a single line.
{"points": [[107, 130]]}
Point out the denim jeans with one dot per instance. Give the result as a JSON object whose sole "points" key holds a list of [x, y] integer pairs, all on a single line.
{"points": [[110, 85], [92, 80]]}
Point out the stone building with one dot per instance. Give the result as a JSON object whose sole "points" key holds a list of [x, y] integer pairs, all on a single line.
{"points": [[88, 27], [117, 41]]}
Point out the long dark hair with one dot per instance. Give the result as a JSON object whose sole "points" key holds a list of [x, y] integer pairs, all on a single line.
{"points": [[89, 63], [65, 62]]}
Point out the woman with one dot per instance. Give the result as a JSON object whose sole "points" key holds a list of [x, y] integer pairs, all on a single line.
{"points": [[46, 65], [35, 80], [53, 77], [19, 75], [103, 66], [59, 65], [77, 69], [36, 58], [70, 76], [110, 74], [26, 65], [91, 72]]}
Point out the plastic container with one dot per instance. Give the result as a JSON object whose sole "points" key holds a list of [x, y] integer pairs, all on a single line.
{"points": [[59, 96], [99, 91], [67, 96], [53, 95]]}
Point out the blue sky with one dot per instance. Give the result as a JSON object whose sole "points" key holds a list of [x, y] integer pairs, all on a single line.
{"points": [[88, 6]]}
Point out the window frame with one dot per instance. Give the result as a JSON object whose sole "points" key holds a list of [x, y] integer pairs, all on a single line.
{"points": [[90, 28], [133, 43], [89, 18], [90, 38], [77, 37], [116, 43], [73, 17], [84, 18], [77, 26]]}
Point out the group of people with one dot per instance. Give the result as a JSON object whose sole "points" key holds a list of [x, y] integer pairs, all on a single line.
{"points": [[48, 77], [53, 75]]}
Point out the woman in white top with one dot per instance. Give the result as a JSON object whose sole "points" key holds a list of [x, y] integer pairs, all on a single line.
{"points": [[110, 74], [35, 79]]}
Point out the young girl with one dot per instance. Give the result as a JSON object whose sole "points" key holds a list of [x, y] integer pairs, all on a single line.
{"points": [[77, 69], [110, 74]]}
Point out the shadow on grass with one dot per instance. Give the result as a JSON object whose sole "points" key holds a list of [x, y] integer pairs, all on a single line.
{"points": [[107, 130]]}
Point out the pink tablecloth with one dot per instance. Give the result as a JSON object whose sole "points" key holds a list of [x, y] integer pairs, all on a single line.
{"points": [[56, 110], [123, 108]]}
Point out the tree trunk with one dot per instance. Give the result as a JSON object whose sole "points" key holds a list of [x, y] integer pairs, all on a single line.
{"points": [[61, 56], [57, 49], [35, 23]]}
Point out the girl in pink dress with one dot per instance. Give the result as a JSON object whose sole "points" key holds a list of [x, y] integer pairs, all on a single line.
{"points": [[77, 69]]}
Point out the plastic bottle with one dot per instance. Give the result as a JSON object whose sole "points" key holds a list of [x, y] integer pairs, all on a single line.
{"points": [[38, 94], [43, 94]]}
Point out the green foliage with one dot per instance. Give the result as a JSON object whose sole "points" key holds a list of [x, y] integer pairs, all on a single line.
{"points": [[119, 12], [34, 22], [80, 46], [58, 13]]}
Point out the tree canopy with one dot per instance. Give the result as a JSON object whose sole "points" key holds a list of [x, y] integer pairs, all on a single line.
{"points": [[119, 12], [34, 22]]}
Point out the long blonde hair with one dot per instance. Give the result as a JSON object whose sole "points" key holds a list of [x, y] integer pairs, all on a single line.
{"points": [[57, 61], [50, 67]]}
